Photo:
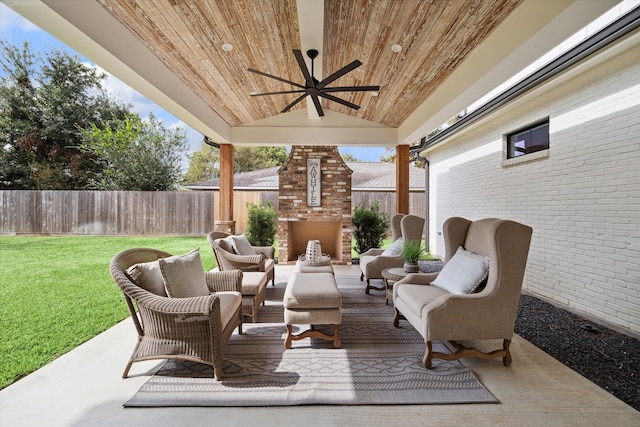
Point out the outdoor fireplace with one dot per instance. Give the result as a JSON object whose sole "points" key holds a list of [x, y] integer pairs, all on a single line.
{"points": [[314, 203]]}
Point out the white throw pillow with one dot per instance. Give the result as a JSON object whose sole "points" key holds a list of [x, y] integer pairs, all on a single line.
{"points": [[394, 249], [464, 272], [184, 275], [148, 276], [242, 246]]}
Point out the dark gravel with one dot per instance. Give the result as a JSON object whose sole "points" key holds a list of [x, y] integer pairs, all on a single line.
{"points": [[607, 358]]}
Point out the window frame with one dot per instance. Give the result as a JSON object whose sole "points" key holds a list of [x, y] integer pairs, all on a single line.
{"points": [[539, 154]]}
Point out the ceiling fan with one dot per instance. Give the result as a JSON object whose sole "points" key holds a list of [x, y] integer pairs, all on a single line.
{"points": [[314, 88]]}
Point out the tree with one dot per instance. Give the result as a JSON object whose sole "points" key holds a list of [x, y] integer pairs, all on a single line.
{"points": [[348, 157], [44, 105], [246, 159], [391, 158], [390, 155], [205, 163], [135, 154]]}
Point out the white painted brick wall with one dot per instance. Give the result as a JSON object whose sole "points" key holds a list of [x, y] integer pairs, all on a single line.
{"points": [[583, 200]]}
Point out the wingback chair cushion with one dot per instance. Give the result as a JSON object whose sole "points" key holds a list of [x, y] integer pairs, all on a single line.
{"points": [[394, 248], [148, 276], [184, 275], [242, 246], [464, 272]]}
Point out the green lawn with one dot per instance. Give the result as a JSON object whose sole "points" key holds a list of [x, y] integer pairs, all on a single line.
{"points": [[56, 293]]}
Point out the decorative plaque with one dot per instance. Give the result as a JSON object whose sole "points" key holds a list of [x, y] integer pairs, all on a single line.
{"points": [[313, 182]]}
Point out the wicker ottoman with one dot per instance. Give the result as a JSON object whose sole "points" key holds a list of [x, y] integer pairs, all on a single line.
{"points": [[313, 299]]}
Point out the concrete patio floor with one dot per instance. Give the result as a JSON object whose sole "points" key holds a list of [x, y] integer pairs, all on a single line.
{"points": [[84, 388]]}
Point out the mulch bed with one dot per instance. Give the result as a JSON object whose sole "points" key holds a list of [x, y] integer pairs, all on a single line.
{"points": [[607, 358]]}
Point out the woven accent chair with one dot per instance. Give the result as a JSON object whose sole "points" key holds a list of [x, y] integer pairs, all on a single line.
{"points": [[374, 261], [227, 259], [196, 329], [490, 313]]}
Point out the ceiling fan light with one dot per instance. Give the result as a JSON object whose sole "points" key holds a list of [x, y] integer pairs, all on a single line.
{"points": [[227, 47], [373, 93], [396, 48]]}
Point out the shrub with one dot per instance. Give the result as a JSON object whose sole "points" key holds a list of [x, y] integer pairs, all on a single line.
{"points": [[261, 224], [369, 226]]}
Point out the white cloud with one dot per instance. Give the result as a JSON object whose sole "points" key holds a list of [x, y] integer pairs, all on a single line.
{"points": [[10, 19]]}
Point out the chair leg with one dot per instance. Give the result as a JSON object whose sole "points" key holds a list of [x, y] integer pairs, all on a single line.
{"points": [[361, 277], [428, 355], [506, 360], [217, 373], [125, 374], [396, 317]]}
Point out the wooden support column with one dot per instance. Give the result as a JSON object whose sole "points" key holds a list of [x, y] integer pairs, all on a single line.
{"points": [[225, 222], [402, 179]]}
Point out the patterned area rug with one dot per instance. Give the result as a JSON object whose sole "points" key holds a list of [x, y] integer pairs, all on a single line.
{"points": [[376, 364]]}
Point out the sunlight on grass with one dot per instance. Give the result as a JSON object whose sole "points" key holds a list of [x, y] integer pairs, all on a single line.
{"points": [[56, 293]]}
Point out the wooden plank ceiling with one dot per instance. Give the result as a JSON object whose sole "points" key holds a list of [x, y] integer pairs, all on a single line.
{"points": [[435, 35]]}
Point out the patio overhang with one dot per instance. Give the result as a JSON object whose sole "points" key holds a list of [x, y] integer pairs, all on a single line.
{"points": [[402, 113]]}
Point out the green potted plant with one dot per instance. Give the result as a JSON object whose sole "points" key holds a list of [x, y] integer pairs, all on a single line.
{"points": [[412, 251]]}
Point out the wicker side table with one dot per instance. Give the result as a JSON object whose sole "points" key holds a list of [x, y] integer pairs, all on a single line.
{"points": [[389, 277]]}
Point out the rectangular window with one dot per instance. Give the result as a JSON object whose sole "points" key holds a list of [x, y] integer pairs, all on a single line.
{"points": [[529, 140]]}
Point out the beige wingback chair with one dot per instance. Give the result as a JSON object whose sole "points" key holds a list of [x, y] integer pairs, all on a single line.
{"points": [[488, 314], [196, 328], [374, 261]]}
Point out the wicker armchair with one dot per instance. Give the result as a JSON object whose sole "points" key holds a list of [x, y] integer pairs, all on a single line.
{"points": [[227, 259], [180, 328]]}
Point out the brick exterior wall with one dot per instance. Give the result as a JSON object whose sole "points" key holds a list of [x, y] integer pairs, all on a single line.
{"points": [[335, 197], [582, 199]]}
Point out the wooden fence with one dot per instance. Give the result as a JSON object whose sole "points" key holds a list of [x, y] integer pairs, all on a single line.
{"points": [[144, 212], [105, 212]]}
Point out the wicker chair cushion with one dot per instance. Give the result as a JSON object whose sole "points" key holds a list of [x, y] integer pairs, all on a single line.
{"points": [[242, 246], [184, 275], [229, 303], [148, 276], [226, 244], [463, 273]]}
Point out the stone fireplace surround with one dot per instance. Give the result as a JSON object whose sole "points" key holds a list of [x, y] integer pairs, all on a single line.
{"points": [[330, 222]]}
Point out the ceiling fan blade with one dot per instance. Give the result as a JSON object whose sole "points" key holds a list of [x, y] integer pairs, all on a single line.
{"points": [[275, 78], [339, 101], [341, 72], [351, 89], [288, 107], [303, 67], [316, 102], [277, 93]]}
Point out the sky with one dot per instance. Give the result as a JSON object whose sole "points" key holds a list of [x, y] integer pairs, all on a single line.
{"points": [[15, 29]]}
